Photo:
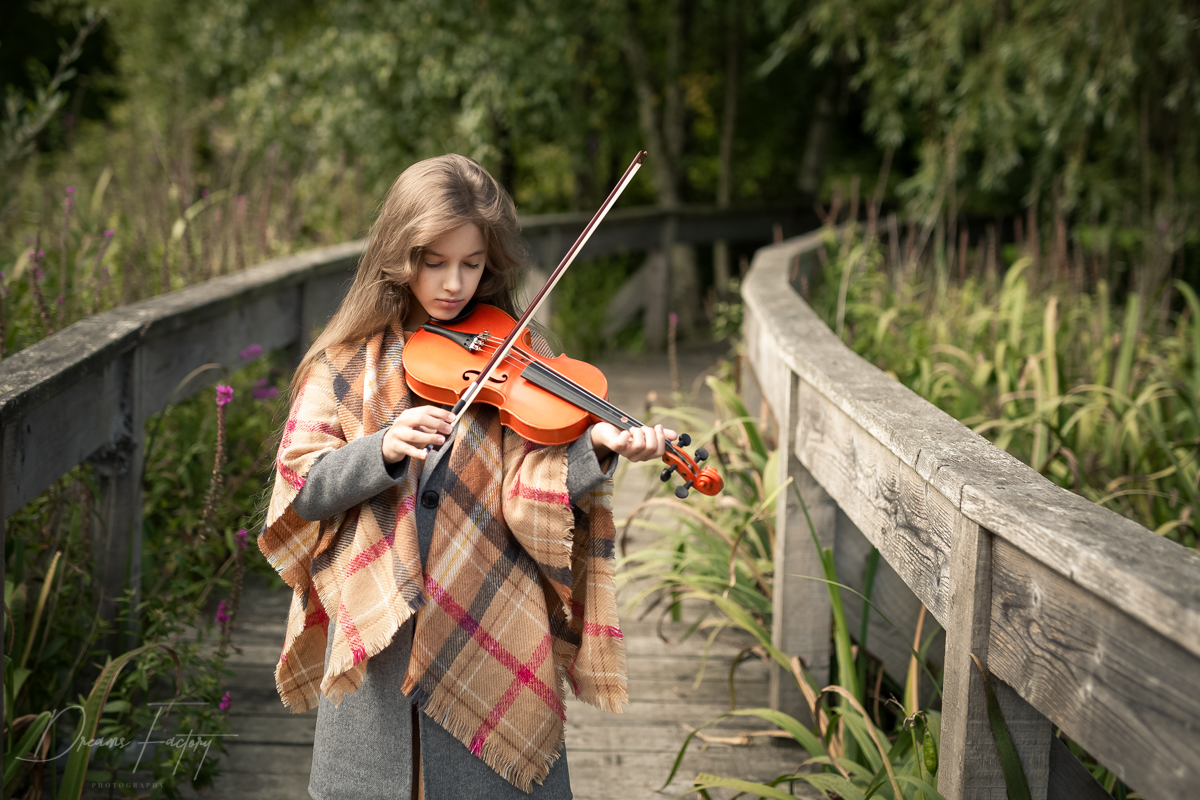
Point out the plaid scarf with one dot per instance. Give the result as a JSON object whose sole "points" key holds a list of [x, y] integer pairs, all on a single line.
{"points": [[517, 595]]}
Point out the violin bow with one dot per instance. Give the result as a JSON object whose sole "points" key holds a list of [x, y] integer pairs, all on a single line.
{"points": [[502, 351]]}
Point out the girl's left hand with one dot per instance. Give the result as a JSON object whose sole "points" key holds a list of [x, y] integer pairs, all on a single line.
{"points": [[636, 444]]}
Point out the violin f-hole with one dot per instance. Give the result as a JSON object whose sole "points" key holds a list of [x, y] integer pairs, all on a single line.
{"points": [[470, 375]]}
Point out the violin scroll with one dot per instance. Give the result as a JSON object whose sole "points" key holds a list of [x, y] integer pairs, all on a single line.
{"points": [[707, 481]]}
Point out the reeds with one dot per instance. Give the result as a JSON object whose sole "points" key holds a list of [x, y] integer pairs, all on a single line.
{"points": [[1100, 394]]}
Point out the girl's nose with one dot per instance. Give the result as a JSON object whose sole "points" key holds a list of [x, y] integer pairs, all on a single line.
{"points": [[453, 280]]}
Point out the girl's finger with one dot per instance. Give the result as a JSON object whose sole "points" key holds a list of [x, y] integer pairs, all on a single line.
{"points": [[436, 422]]}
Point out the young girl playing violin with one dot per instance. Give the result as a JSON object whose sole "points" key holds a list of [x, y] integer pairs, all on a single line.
{"points": [[443, 599]]}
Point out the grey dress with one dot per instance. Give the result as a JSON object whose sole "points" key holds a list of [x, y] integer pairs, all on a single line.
{"points": [[363, 749]]}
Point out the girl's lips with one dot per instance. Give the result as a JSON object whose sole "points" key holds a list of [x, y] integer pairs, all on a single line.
{"points": [[448, 303]]}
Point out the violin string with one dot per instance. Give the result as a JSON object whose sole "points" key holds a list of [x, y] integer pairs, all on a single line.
{"points": [[524, 359]]}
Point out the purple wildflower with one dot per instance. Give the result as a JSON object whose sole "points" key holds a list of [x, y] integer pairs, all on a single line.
{"points": [[222, 613], [252, 352], [225, 702], [70, 191], [109, 234], [224, 394], [37, 273], [674, 318], [59, 299], [264, 392], [241, 538], [204, 192]]}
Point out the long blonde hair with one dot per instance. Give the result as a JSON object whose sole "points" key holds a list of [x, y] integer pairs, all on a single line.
{"points": [[429, 199]]}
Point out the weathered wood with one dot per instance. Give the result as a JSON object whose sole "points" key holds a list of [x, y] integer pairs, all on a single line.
{"points": [[76, 375], [1127, 695], [894, 507], [117, 545], [968, 755], [1146, 576], [970, 762], [800, 606], [801, 609]]}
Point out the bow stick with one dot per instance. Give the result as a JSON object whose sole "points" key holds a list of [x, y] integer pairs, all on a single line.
{"points": [[502, 351]]}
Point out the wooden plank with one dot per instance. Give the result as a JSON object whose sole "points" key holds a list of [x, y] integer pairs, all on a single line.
{"points": [[117, 544], [1146, 576], [63, 430], [970, 762], [271, 322], [771, 374], [1126, 694], [638, 776], [968, 755], [800, 606], [895, 508]]}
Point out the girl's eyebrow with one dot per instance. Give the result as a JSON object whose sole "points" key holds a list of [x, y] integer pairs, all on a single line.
{"points": [[468, 255]]}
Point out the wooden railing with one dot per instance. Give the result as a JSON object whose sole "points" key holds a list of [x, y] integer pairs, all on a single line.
{"points": [[86, 392], [1089, 621]]}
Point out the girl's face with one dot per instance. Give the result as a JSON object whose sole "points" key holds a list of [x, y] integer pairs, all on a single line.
{"points": [[448, 275]]}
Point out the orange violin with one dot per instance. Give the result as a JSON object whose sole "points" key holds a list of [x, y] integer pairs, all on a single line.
{"points": [[547, 400]]}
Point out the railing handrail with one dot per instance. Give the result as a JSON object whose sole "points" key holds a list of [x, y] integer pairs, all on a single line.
{"points": [[1086, 614], [1084, 542], [45, 368]]}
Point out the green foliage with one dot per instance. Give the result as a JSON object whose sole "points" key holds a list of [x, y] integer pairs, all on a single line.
{"points": [[720, 550], [1100, 399], [998, 100]]}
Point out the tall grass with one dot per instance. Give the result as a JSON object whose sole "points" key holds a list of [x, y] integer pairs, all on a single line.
{"points": [[140, 211], [1100, 394]]}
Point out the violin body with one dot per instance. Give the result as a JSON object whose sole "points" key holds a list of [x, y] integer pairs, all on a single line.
{"points": [[440, 368]]}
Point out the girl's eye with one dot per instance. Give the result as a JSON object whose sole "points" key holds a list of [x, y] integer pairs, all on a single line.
{"points": [[474, 266], [432, 265]]}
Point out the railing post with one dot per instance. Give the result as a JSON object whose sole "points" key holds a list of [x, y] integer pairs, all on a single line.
{"points": [[800, 606], [117, 546], [969, 763]]}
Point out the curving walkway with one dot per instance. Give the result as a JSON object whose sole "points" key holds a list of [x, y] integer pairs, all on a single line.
{"points": [[611, 755]]}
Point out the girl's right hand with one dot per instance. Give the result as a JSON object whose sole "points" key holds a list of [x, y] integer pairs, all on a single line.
{"points": [[413, 430]]}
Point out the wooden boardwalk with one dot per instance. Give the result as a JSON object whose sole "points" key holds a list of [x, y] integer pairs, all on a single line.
{"points": [[610, 755]]}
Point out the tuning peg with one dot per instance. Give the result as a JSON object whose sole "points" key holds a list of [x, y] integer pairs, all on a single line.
{"points": [[682, 491], [665, 475], [701, 454], [684, 439]]}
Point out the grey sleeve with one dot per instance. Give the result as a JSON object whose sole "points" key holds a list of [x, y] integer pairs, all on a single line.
{"points": [[583, 468], [345, 477]]}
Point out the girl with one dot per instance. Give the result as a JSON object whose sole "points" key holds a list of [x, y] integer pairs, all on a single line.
{"points": [[441, 603]]}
